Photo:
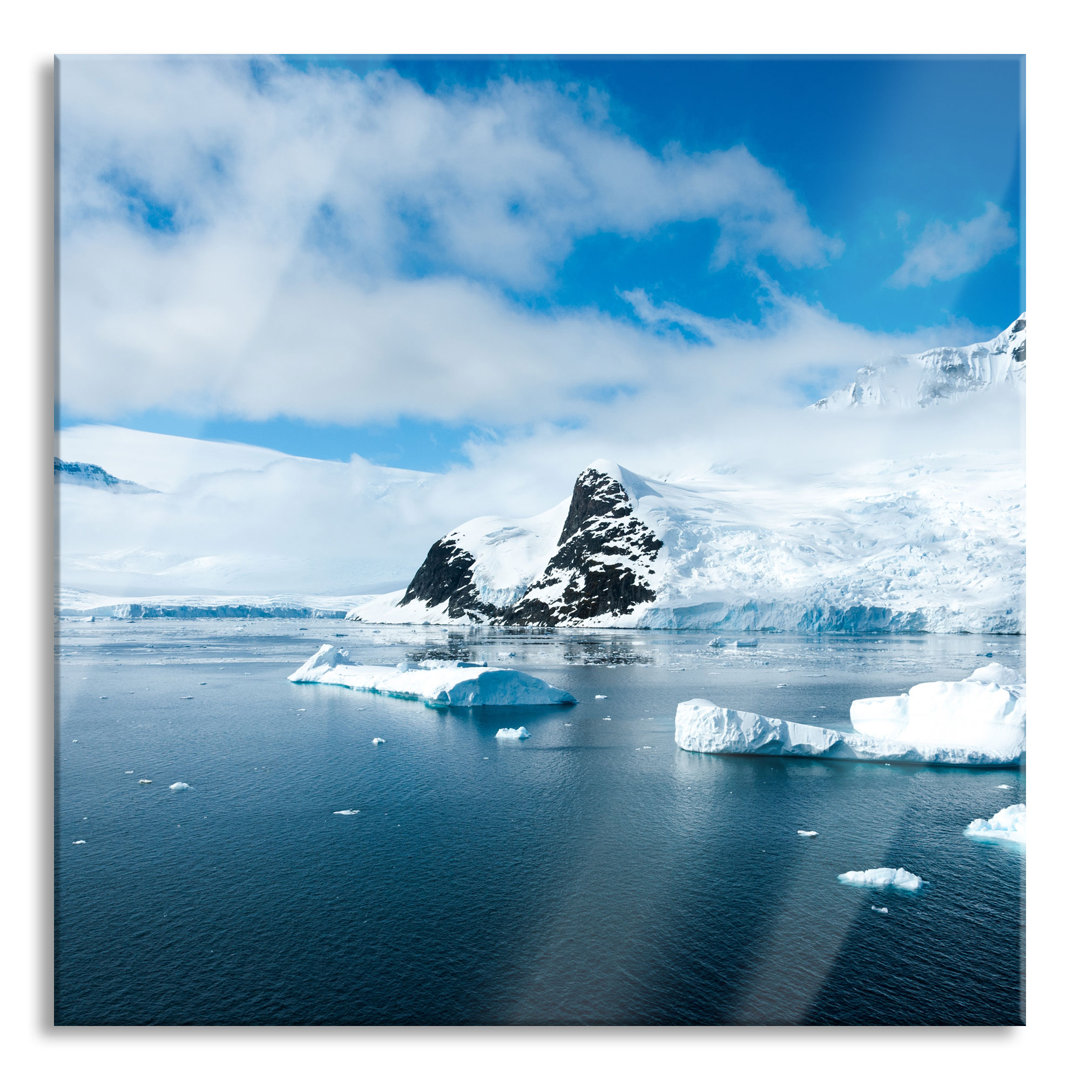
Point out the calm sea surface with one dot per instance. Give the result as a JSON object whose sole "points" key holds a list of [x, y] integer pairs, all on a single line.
{"points": [[592, 874]]}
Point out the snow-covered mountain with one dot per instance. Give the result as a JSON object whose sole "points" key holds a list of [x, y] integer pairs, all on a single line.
{"points": [[938, 374], [933, 544], [229, 522]]}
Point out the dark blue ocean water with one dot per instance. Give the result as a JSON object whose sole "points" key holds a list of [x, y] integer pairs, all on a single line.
{"points": [[593, 874]]}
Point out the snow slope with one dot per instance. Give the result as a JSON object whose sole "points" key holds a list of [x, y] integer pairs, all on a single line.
{"points": [[226, 520]]}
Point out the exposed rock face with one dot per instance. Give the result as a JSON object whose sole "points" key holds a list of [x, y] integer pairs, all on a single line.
{"points": [[87, 475], [446, 577], [602, 565]]}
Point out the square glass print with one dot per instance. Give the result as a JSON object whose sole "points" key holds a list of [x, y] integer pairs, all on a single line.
{"points": [[541, 541]]}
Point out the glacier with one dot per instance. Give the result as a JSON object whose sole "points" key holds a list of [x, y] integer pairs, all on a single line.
{"points": [[1009, 824], [977, 721], [438, 683]]}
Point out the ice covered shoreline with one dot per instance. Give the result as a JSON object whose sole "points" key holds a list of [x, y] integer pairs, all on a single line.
{"points": [[438, 683], [977, 721]]}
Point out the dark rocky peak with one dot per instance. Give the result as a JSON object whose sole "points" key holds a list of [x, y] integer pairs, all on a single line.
{"points": [[603, 562], [446, 576], [596, 494]]}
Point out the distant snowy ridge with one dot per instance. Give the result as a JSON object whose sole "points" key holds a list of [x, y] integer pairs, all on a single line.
{"points": [[938, 374], [87, 475], [930, 545], [75, 603]]}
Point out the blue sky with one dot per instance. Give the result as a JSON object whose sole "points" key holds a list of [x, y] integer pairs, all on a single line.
{"points": [[407, 259]]}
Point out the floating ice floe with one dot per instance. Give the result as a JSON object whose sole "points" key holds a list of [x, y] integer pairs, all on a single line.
{"points": [[512, 733], [883, 877], [377, 741], [180, 786], [438, 683], [76, 842], [806, 832], [1008, 824], [346, 813], [146, 781], [980, 720], [601, 697], [882, 910]]}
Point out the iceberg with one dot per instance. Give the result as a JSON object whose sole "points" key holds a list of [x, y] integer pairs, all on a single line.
{"points": [[180, 786], [806, 832], [377, 741], [438, 683], [977, 721], [346, 813], [883, 877], [512, 733], [986, 712], [1009, 824]]}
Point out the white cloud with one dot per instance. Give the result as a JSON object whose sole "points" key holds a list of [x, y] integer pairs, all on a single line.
{"points": [[944, 252], [340, 245]]}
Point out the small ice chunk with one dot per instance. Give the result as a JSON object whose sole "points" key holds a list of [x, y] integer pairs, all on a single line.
{"points": [[129, 772], [512, 733], [884, 877], [146, 781], [601, 697], [806, 832], [1008, 824], [346, 813], [883, 910], [78, 842], [187, 697], [1004, 787], [179, 786], [377, 741]]}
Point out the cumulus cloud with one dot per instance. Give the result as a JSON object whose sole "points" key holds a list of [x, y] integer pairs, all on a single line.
{"points": [[242, 238], [944, 252]]}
